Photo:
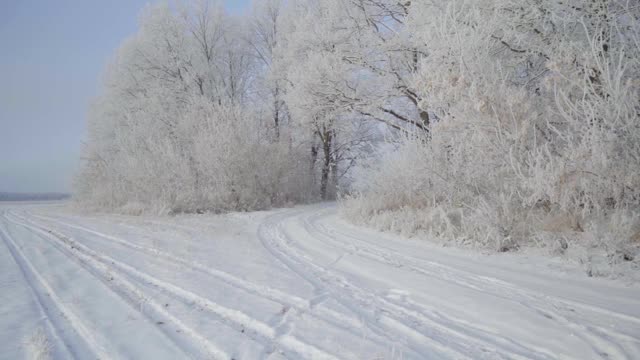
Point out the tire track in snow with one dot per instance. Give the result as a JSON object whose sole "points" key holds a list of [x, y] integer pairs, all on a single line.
{"points": [[265, 334], [600, 339], [229, 279], [52, 327], [131, 295], [386, 315], [392, 257], [93, 345], [300, 305], [604, 338], [310, 307]]}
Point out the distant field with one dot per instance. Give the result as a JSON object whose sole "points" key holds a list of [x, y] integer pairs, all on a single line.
{"points": [[32, 196]]}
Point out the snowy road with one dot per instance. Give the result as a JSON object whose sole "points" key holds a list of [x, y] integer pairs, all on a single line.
{"points": [[288, 284]]}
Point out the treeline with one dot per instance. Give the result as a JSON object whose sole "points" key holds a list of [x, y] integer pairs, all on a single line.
{"points": [[203, 111], [496, 123]]}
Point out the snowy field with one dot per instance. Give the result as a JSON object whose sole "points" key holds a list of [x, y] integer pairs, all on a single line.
{"points": [[288, 284]]}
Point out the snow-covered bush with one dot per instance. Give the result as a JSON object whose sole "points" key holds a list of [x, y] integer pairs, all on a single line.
{"points": [[537, 132], [237, 167], [215, 159], [173, 130]]}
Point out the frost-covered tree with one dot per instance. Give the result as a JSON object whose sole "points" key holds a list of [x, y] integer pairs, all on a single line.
{"points": [[174, 108], [264, 33], [323, 90], [536, 138]]}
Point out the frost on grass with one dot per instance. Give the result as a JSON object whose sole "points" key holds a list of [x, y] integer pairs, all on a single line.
{"points": [[37, 346]]}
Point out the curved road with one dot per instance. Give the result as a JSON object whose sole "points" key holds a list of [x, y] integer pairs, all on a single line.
{"points": [[288, 284]]}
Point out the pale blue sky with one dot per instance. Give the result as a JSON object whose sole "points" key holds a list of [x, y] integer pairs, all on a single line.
{"points": [[52, 54]]}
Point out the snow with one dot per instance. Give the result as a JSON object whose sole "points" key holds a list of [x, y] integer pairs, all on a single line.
{"points": [[297, 283]]}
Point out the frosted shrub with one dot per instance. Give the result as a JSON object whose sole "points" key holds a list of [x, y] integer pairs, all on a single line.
{"points": [[220, 163], [173, 130], [538, 134], [238, 168]]}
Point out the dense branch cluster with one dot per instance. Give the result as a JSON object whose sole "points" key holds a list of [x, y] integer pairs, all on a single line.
{"points": [[203, 111], [506, 122], [537, 140]]}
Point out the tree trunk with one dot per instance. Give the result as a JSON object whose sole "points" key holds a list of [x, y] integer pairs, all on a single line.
{"points": [[276, 112], [327, 138], [334, 169], [314, 157]]}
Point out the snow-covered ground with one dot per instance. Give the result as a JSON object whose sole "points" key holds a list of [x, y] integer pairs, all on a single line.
{"points": [[293, 283]]}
